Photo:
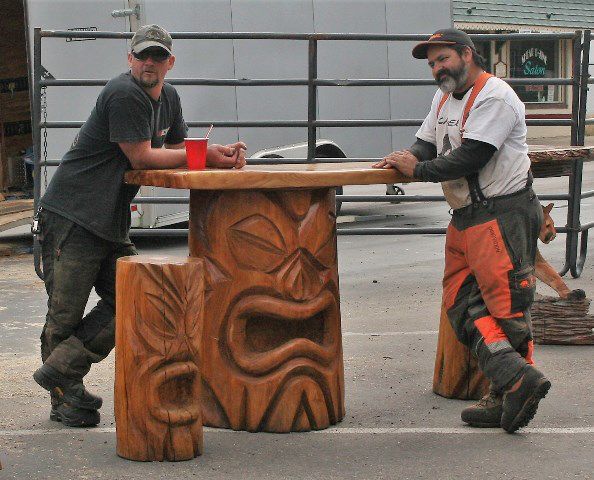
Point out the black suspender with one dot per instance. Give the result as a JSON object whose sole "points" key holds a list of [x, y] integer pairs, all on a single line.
{"points": [[476, 194]]}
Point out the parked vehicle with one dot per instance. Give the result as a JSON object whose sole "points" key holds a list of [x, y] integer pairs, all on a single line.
{"points": [[227, 59]]}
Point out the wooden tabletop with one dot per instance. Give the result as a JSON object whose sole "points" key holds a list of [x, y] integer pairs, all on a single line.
{"points": [[306, 175], [269, 176]]}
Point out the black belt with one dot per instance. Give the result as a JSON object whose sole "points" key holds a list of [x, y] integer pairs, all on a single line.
{"points": [[490, 203]]}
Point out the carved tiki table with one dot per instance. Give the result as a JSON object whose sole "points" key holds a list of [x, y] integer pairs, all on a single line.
{"points": [[271, 354]]}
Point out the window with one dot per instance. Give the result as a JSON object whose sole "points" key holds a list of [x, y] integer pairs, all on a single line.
{"points": [[535, 59], [484, 50]]}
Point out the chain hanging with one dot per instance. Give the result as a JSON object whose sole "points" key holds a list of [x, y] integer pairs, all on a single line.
{"points": [[44, 117]]}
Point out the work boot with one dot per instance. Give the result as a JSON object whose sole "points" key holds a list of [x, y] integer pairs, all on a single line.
{"points": [[521, 400], [486, 413], [56, 400], [73, 392], [74, 417]]}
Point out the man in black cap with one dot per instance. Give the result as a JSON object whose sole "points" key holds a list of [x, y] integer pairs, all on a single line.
{"points": [[84, 218], [473, 141]]}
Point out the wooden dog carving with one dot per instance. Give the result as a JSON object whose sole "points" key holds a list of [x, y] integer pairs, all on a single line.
{"points": [[561, 320]]}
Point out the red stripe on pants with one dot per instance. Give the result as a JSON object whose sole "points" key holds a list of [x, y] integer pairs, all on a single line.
{"points": [[528, 356], [490, 330]]}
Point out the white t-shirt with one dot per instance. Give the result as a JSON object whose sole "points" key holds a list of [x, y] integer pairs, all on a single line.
{"points": [[497, 117]]}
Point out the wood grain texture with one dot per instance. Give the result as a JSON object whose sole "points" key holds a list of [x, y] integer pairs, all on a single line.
{"points": [[272, 346], [268, 177], [456, 373], [562, 321], [13, 213], [15, 206], [159, 317], [12, 220], [553, 162], [561, 154]]}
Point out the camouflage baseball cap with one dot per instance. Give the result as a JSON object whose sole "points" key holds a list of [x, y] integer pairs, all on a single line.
{"points": [[151, 36]]}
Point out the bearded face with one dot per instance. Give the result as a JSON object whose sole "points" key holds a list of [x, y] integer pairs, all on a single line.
{"points": [[272, 350], [454, 78]]}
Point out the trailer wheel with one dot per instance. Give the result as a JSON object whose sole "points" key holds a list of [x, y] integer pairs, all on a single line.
{"points": [[339, 189], [338, 202], [324, 149], [392, 189]]}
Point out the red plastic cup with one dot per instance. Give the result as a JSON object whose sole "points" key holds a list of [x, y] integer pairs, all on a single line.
{"points": [[196, 153]]}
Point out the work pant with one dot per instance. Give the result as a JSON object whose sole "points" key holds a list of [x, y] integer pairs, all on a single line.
{"points": [[75, 261], [489, 282]]}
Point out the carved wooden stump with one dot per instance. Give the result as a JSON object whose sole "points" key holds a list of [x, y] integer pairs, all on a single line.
{"points": [[456, 373], [159, 315], [272, 346]]}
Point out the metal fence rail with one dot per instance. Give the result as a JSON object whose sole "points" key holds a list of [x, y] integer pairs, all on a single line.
{"points": [[579, 82]]}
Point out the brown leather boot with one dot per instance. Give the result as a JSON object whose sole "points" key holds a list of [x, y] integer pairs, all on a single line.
{"points": [[75, 417], [486, 413], [56, 399], [520, 401], [73, 392]]}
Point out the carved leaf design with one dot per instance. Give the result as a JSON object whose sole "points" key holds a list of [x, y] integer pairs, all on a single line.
{"points": [[296, 203], [316, 233], [256, 243], [215, 273], [326, 255], [161, 316], [194, 305], [172, 304], [300, 277]]}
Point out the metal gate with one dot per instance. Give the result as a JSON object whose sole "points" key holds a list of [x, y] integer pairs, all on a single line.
{"points": [[577, 234]]}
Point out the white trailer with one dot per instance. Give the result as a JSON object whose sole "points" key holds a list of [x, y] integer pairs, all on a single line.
{"points": [[228, 59]]}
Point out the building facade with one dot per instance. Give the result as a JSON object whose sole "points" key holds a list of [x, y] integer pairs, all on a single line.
{"points": [[530, 58]]}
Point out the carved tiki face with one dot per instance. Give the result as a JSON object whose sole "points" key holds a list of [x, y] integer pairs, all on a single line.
{"points": [[272, 351], [160, 361]]}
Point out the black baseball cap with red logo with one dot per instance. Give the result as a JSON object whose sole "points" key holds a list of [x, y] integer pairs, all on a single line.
{"points": [[446, 36]]}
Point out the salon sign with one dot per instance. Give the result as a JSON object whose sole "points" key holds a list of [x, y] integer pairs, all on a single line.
{"points": [[534, 63]]}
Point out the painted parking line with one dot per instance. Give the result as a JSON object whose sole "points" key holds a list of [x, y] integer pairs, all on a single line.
{"points": [[449, 431], [388, 334], [334, 431]]}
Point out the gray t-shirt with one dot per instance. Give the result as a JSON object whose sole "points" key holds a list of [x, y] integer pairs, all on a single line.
{"points": [[88, 187]]}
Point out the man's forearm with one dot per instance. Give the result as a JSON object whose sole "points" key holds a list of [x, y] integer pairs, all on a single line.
{"points": [[175, 146], [161, 158], [423, 150], [465, 160]]}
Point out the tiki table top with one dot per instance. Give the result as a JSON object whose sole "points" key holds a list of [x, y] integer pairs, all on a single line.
{"points": [[309, 175]]}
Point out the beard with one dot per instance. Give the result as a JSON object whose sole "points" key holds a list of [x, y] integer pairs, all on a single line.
{"points": [[451, 80], [153, 82]]}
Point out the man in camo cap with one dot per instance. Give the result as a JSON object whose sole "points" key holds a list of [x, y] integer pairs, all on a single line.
{"points": [[84, 216]]}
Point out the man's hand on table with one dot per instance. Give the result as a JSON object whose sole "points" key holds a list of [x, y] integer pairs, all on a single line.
{"points": [[402, 160], [226, 156]]}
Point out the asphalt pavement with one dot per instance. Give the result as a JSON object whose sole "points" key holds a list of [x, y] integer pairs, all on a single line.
{"points": [[394, 427]]}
